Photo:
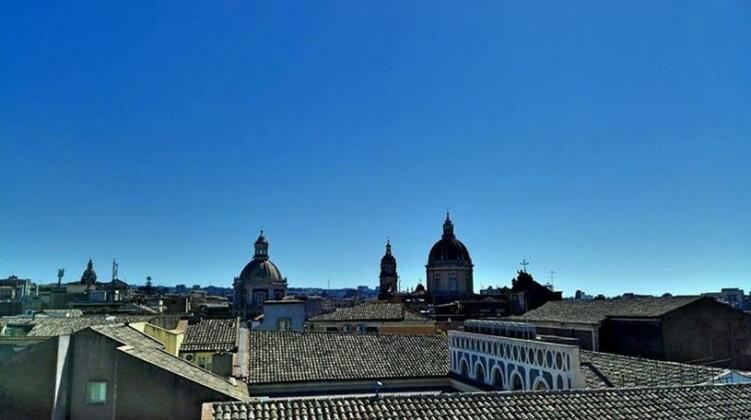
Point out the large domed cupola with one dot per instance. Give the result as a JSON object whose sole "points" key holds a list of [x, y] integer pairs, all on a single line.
{"points": [[449, 268], [259, 280], [448, 248]]}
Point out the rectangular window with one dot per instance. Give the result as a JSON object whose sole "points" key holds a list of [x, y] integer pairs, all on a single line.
{"points": [[97, 392], [283, 324]]}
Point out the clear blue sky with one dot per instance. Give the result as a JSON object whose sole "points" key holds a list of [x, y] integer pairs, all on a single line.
{"points": [[609, 141]]}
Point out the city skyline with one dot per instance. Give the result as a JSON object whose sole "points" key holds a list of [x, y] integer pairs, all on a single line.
{"points": [[606, 141], [104, 273]]}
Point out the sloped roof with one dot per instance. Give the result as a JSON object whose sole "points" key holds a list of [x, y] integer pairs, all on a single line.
{"points": [[595, 311], [127, 335], [51, 327], [305, 356], [211, 335], [709, 402], [371, 311], [626, 371], [145, 348]]}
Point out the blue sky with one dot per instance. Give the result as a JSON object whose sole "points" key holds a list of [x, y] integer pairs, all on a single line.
{"points": [[609, 141]]}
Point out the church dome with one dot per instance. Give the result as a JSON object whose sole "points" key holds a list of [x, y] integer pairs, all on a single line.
{"points": [[89, 275], [448, 248], [261, 269]]}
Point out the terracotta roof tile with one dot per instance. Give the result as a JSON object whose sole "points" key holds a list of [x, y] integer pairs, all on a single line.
{"points": [[371, 311], [306, 356], [595, 311], [211, 335], [707, 402]]}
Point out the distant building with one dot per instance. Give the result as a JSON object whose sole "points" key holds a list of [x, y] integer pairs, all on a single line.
{"points": [[494, 291], [258, 282], [447, 314], [530, 294], [449, 268], [14, 289], [731, 296], [388, 280], [373, 317], [580, 295], [88, 278], [282, 315], [682, 328], [14, 294]]}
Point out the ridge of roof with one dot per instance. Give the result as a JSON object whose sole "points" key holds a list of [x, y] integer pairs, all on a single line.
{"points": [[595, 311], [371, 311]]}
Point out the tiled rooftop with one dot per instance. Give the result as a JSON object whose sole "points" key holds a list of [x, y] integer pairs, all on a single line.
{"points": [[51, 327], [292, 357], [709, 402], [145, 348], [295, 356], [211, 335], [595, 311], [371, 311], [128, 336], [625, 371]]}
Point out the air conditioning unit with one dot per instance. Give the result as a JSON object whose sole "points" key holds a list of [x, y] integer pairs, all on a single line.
{"points": [[189, 357]]}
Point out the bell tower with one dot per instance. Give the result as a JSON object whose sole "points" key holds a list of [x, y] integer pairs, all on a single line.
{"points": [[388, 277]]}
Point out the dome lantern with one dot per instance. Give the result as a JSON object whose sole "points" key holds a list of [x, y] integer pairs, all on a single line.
{"points": [[261, 247]]}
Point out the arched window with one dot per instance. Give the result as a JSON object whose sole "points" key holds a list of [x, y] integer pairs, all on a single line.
{"points": [[464, 368], [497, 378], [541, 386], [516, 382], [479, 373]]}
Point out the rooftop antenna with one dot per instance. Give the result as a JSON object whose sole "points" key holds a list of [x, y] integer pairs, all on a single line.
{"points": [[524, 264], [114, 269], [60, 274]]}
